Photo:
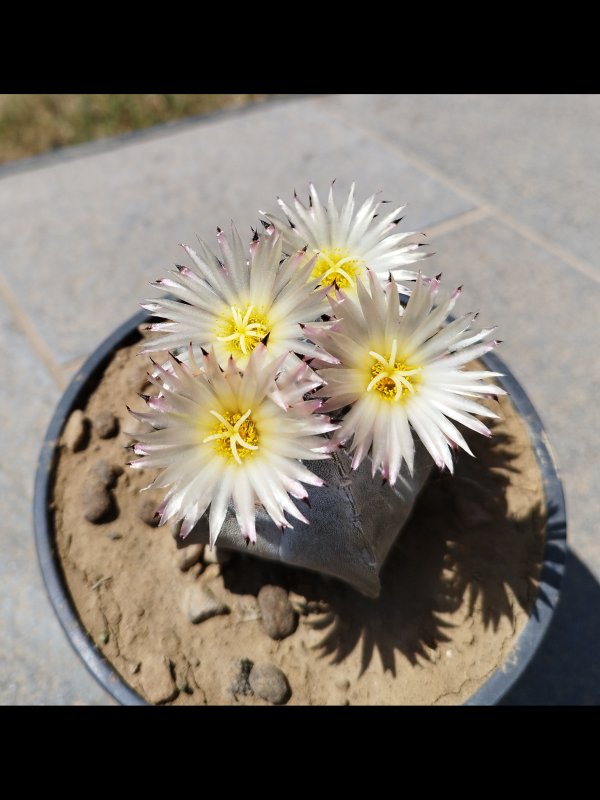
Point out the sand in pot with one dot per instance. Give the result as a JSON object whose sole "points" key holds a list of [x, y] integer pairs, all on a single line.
{"points": [[456, 589]]}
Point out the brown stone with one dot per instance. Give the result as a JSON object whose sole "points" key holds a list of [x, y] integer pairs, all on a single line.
{"points": [[270, 683], [278, 617], [75, 434], [105, 424], [157, 680], [96, 501], [147, 512], [199, 604], [188, 556]]}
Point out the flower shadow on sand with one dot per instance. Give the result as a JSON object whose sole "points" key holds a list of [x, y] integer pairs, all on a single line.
{"points": [[460, 550]]}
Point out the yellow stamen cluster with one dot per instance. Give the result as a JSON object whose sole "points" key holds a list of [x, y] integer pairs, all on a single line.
{"points": [[336, 265], [233, 431], [392, 379], [242, 330]]}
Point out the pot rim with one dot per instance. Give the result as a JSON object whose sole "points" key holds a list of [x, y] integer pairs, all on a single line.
{"points": [[492, 691]]}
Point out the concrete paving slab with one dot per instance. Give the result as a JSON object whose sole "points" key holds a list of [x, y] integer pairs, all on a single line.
{"points": [[545, 311], [80, 239], [83, 231], [36, 662], [534, 156]]}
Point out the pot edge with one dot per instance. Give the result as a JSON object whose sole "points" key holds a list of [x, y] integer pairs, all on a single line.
{"points": [[493, 690]]}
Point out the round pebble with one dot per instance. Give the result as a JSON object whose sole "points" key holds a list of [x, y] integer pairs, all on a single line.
{"points": [[270, 683], [211, 573], [96, 500], [278, 616], [105, 424], [157, 680], [106, 473], [147, 512], [343, 684], [298, 601], [188, 556], [75, 432], [199, 604]]}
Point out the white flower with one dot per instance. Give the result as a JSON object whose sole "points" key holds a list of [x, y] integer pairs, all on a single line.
{"points": [[220, 437], [237, 301], [346, 242], [401, 369]]}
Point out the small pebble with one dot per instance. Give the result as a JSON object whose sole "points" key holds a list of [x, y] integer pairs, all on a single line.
{"points": [[211, 573], [157, 680], [104, 637], [217, 555], [298, 601], [343, 684], [317, 607], [247, 608], [147, 512], [96, 500], [75, 432], [270, 683], [106, 473], [114, 535], [197, 569], [304, 607], [105, 424], [138, 373], [135, 668], [278, 617], [188, 556], [240, 683], [199, 604]]}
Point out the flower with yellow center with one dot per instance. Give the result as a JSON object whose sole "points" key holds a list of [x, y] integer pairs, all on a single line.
{"points": [[402, 370], [241, 330], [391, 378], [236, 300], [347, 242], [337, 266], [234, 431], [224, 438]]}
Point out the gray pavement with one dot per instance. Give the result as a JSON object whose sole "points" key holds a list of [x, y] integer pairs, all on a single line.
{"points": [[508, 189]]}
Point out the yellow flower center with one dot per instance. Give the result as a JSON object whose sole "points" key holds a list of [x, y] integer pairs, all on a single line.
{"points": [[336, 265], [392, 379], [241, 329], [234, 431]]}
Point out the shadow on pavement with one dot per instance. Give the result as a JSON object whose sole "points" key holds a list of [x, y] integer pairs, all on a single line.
{"points": [[566, 669]]}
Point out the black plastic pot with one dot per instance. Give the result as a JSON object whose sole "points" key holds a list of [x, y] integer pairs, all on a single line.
{"points": [[497, 684]]}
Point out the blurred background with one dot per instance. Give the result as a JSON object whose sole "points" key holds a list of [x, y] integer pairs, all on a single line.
{"points": [[507, 187], [31, 124]]}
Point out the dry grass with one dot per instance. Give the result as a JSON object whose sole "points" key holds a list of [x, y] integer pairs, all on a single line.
{"points": [[34, 123]]}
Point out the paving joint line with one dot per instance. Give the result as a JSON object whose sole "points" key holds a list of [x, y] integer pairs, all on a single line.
{"points": [[420, 163], [39, 347], [459, 221]]}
